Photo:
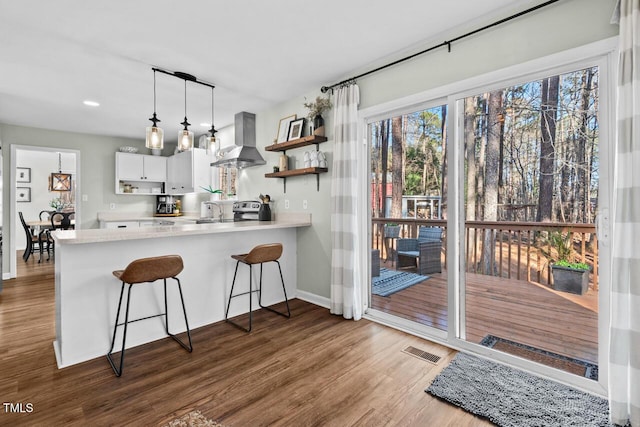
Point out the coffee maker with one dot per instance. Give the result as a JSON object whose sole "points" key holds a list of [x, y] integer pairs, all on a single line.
{"points": [[165, 205]]}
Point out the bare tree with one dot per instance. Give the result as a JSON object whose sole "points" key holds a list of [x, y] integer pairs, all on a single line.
{"points": [[491, 176], [549, 107], [443, 173], [384, 136], [397, 167]]}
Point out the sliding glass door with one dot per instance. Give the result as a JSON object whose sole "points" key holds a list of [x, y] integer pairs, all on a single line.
{"points": [[531, 173], [483, 201], [409, 215]]}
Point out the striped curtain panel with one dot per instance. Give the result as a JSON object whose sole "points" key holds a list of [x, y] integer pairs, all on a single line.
{"points": [[345, 278], [624, 347]]}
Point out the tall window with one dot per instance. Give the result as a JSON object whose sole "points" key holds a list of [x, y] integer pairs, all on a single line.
{"points": [[407, 164]]}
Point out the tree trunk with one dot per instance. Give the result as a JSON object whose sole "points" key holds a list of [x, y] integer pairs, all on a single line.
{"points": [[484, 120], [491, 176], [397, 166], [445, 189], [581, 150], [549, 107], [470, 156], [384, 147]]}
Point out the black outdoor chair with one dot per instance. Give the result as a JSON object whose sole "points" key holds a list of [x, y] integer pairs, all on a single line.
{"points": [[424, 253]]}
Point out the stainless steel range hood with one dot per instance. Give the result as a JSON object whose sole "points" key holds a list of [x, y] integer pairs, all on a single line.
{"points": [[244, 154]]}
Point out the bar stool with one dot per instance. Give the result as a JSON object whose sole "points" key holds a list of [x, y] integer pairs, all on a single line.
{"points": [[260, 254], [146, 270]]}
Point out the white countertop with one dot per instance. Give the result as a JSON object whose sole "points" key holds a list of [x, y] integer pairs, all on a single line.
{"points": [[109, 235]]}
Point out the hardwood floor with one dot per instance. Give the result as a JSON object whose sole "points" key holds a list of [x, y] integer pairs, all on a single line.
{"points": [[516, 310], [312, 369]]}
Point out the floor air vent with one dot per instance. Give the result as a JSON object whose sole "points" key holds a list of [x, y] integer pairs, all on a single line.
{"points": [[423, 355]]}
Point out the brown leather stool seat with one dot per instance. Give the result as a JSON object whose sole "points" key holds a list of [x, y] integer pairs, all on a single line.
{"points": [[260, 254], [145, 270]]}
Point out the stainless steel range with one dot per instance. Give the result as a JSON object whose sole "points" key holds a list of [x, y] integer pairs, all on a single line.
{"points": [[246, 210]]}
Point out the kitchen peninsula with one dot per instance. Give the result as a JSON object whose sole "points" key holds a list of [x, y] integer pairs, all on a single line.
{"points": [[87, 293]]}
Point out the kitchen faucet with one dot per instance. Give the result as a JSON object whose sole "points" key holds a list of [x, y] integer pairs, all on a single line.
{"points": [[220, 212]]}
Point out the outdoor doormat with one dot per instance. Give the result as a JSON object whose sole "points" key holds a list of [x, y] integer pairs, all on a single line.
{"points": [[558, 361], [193, 419], [391, 281], [509, 397]]}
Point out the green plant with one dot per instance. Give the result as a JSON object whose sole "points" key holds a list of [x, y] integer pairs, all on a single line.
{"points": [[57, 203], [317, 107], [211, 190], [563, 245]]}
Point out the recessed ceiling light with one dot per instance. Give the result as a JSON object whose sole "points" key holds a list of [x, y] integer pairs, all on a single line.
{"points": [[91, 103], [205, 125]]}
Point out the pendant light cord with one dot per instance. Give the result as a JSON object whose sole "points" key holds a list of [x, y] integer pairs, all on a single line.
{"points": [[185, 100], [154, 91]]}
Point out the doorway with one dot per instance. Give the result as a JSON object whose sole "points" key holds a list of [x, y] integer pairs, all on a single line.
{"points": [[531, 196], [32, 191], [492, 292]]}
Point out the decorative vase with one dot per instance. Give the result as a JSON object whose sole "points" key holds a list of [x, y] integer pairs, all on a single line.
{"points": [[318, 125], [264, 213]]}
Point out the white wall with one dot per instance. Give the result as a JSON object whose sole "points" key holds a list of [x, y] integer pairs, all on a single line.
{"points": [[553, 29], [42, 164], [97, 157], [564, 25]]}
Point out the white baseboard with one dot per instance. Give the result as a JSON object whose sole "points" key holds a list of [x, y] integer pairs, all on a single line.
{"points": [[313, 299]]}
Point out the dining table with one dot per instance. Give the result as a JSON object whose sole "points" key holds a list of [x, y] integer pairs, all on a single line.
{"points": [[40, 226]]}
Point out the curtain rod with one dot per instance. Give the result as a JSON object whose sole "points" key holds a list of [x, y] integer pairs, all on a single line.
{"points": [[183, 76], [447, 43]]}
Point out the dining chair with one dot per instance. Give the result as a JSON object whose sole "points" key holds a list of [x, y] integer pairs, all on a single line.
{"points": [[34, 242], [61, 220]]}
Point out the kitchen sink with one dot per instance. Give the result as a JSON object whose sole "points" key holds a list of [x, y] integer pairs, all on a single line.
{"points": [[212, 220]]}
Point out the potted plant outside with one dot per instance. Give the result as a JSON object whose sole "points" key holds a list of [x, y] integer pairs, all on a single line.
{"points": [[568, 275]]}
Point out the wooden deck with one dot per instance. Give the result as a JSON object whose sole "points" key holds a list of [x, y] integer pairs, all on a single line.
{"points": [[516, 310]]}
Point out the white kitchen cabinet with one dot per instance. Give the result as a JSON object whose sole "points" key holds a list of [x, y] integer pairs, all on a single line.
{"points": [[140, 170], [188, 171]]}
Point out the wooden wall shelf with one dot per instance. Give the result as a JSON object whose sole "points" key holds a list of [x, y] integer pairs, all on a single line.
{"points": [[296, 143], [296, 172]]}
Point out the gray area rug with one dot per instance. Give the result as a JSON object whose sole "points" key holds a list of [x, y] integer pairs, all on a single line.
{"points": [[391, 281], [513, 398]]}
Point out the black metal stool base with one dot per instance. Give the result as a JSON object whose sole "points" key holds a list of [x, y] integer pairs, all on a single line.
{"points": [[251, 291], [189, 348]]}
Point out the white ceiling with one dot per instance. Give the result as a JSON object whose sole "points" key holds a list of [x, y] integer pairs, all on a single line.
{"points": [[55, 54]]}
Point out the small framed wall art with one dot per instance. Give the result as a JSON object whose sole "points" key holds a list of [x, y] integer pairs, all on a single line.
{"points": [[283, 128], [23, 174], [23, 194], [295, 129]]}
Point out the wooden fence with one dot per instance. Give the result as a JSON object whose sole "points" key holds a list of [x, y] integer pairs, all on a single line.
{"points": [[521, 250]]}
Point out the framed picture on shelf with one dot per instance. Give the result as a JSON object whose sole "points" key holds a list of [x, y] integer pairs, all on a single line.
{"points": [[283, 128], [295, 129], [23, 174], [23, 194]]}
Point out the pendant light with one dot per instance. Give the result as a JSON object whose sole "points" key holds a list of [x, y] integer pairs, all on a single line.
{"points": [[185, 136], [211, 140], [155, 135], [60, 181]]}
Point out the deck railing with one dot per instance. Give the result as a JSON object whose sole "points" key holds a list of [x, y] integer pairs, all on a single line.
{"points": [[521, 250]]}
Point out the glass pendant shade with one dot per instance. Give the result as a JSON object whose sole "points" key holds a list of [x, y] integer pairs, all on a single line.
{"points": [[211, 144], [185, 140], [155, 138], [155, 135]]}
